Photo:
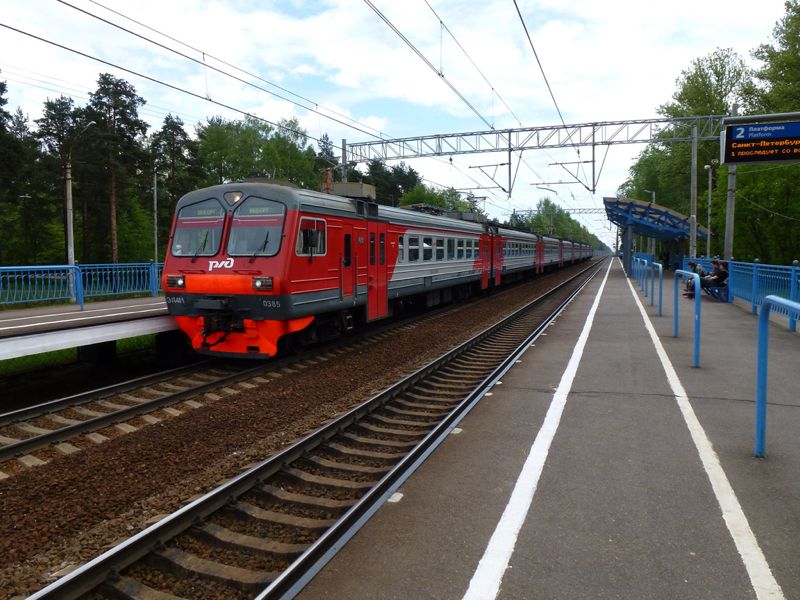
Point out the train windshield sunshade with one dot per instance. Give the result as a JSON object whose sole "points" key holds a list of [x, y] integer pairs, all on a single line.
{"points": [[198, 229], [257, 228]]}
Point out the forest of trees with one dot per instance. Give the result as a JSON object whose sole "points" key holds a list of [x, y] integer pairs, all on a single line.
{"points": [[114, 159], [767, 215]]}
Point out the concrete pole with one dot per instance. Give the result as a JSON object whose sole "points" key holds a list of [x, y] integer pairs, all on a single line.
{"points": [[708, 215], [155, 214], [627, 249], [68, 196], [730, 207], [68, 207], [693, 196]]}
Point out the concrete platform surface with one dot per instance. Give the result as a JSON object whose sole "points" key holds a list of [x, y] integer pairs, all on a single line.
{"points": [[38, 319], [645, 486]]}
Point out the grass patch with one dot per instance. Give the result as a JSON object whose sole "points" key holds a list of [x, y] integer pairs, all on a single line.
{"points": [[15, 367]]}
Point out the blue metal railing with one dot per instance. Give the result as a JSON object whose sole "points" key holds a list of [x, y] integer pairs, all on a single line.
{"points": [[54, 283], [768, 303], [121, 279], [59, 283], [678, 277], [653, 267], [753, 282]]}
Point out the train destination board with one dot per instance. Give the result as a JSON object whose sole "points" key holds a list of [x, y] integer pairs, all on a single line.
{"points": [[761, 142]]}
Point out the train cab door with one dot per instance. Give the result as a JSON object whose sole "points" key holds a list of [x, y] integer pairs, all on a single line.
{"points": [[347, 263], [377, 300], [540, 256], [486, 260], [499, 255]]}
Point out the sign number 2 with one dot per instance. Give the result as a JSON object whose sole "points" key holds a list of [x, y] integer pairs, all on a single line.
{"points": [[738, 133]]}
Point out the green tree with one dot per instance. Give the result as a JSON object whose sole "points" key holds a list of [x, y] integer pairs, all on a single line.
{"points": [[174, 156], [114, 106], [289, 157], [391, 183], [58, 131], [779, 77], [27, 210], [11, 165], [448, 199], [232, 150], [422, 194], [711, 85], [326, 157]]}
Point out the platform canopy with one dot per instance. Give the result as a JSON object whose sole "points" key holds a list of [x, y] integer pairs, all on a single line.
{"points": [[650, 220]]}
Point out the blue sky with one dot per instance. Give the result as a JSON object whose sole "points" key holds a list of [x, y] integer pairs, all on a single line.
{"points": [[610, 60]]}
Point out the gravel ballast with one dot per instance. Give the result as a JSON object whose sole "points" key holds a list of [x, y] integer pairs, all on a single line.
{"points": [[61, 514]]}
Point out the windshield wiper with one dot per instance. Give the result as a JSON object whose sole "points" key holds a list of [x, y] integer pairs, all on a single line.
{"points": [[261, 248], [201, 248]]}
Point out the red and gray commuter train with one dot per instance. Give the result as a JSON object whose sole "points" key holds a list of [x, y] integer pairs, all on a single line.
{"points": [[254, 266]]}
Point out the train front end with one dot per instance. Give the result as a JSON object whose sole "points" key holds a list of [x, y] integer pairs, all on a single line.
{"points": [[223, 276]]}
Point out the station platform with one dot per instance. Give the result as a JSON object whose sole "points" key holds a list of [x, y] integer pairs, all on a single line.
{"points": [[603, 465], [56, 327]]}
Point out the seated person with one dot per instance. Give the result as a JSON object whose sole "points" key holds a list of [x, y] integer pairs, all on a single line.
{"points": [[718, 277], [694, 268]]}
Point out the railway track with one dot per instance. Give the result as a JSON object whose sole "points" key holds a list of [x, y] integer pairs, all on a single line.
{"points": [[44, 429], [266, 532], [32, 436]]}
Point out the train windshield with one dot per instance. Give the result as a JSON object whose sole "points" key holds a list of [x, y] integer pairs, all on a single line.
{"points": [[257, 228], [198, 229]]}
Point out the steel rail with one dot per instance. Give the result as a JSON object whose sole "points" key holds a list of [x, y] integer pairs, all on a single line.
{"points": [[70, 431], [306, 566], [28, 445], [31, 412], [109, 564]]}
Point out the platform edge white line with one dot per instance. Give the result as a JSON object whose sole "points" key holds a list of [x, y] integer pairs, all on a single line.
{"points": [[486, 580], [763, 581]]}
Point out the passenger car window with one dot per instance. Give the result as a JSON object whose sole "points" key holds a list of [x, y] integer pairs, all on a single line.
{"points": [[427, 248], [413, 249], [311, 237]]}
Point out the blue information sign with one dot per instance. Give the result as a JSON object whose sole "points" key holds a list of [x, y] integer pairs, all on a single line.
{"points": [[761, 142]]}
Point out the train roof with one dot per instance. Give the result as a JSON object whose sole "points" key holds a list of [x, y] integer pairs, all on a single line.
{"points": [[309, 200], [312, 201]]}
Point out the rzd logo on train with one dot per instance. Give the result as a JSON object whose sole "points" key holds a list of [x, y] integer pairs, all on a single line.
{"points": [[220, 264]]}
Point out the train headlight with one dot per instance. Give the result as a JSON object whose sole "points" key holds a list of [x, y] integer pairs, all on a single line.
{"points": [[262, 284], [176, 281]]}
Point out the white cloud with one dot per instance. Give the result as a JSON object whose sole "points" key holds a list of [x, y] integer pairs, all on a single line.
{"points": [[611, 60]]}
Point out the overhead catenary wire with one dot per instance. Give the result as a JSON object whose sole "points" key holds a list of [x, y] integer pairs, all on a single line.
{"points": [[424, 59], [178, 88], [204, 54], [163, 83], [193, 94], [76, 90], [205, 65], [477, 68], [241, 70], [544, 76], [444, 26], [216, 69]]}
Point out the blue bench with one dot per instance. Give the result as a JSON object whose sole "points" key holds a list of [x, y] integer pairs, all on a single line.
{"points": [[719, 292]]}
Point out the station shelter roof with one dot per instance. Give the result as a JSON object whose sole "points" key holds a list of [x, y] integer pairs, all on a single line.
{"points": [[649, 219]]}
